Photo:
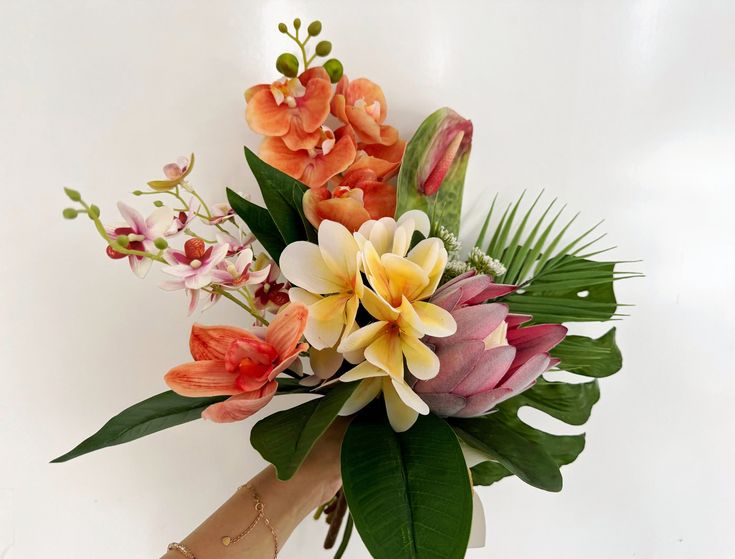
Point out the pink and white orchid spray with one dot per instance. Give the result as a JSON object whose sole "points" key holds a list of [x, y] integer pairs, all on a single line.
{"points": [[356, 292]]}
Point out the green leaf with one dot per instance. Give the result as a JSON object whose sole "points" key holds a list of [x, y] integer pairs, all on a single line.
{"points": [[283, 196], [425, 153], [286, 437], [260, 223], [409, 493], [572, 290], [590, 357], [160, 412], [571, 403], [523, 457], [487, 473]]}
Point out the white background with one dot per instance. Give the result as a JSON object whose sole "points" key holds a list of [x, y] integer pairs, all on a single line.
{"points": [[625, 110]]}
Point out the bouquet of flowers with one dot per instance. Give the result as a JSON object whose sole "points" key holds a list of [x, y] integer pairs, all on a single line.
{"points": [[355, 289]]}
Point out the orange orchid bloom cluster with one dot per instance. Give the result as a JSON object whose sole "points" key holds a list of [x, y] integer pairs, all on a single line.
{"points": [[346, 168]]}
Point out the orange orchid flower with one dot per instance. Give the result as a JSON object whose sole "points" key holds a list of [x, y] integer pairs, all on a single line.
{"points": [[384, 161], [237, 363], [362, 105], [359, 198], [315, 166], [292, 109]]}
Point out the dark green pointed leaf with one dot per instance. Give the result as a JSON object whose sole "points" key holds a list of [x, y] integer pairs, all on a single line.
{"points": [[260, 223], [286, 437], [160, 412], [283, 196], [523, 457], [409, 493], [590, 357], [571, 403]]}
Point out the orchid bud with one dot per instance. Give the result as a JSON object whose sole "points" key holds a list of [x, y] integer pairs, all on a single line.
{"points": [[434, 166], [160, 243], [315, 27], [137, 193], [112, 253], [73, 195], [334, 69], [158, 203], [123, 240], [94, 212], [323, 48], [297, 24], [70, 213], [288, 65], [282, 28]]}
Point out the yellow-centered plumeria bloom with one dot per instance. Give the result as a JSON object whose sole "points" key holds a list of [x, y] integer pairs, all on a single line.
{"points": [[329, 282], [401, 282]]}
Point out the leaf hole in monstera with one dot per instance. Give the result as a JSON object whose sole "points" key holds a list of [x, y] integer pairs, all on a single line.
{"points": [[544, 422], [583, 294]]}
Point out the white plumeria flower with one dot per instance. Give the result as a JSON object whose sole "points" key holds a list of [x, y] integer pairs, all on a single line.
{"points": [[388, 235], [331, 272]]}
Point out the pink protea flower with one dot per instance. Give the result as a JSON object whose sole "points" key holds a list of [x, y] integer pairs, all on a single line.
{"points": [[193, 268], [240, 364], [491, 357]]}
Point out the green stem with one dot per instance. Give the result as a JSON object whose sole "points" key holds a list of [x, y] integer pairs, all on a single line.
{"points": [[345, 537]]}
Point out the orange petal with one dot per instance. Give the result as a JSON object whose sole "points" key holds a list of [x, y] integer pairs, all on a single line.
{"points": [[324, 167], [379, 168], [367, 129], [314, 104], [202, 378], [311, 198], [241, 406], [274, 152], [286, 329], [315, 72], [338, 107], [211, 342], [347, 211], [298, 139], [363, 88], [251, 91], [265, 116], [379, 198]]}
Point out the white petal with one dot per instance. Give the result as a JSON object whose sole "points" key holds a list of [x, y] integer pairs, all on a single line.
{"points": [[339, 250], [409, 397], [362, 371], [159, 222], [421, 221], [362, 337], [401, 416], [361, 397], [302, 264], [421, 361], [325, 362], [298, 295], [437, 321]]}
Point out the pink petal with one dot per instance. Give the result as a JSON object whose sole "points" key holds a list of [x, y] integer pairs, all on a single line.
{"points": [[456, 362], [489, 371], [193, 300], [241, 406], [526, 375], [534, 339], [481, 403], [212, 342], [286, 363], [445, 405], [132, 216]]}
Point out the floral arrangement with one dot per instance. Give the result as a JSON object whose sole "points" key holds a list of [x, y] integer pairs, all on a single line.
{"points": [[356, 290]]}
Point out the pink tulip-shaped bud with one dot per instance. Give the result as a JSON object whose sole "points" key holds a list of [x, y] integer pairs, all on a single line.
{"points": [[491, 357]]}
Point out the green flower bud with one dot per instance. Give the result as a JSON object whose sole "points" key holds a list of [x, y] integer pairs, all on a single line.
{"points": [[137, 193], [94, 212], [161, 243], [282, 28], [122, 240], [323, 48], [73, 195], [158, 203], [334, 69], [288, 65], [315, 27], [70, 213], [297, 24]]}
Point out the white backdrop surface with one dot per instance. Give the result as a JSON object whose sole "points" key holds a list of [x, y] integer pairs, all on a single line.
{"points": [[623, 109]]}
